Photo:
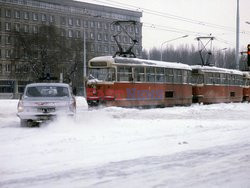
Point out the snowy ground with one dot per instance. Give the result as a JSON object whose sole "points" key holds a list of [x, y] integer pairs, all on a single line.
{"points": [[197, 146]]}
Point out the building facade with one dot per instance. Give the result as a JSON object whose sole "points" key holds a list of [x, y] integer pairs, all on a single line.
{"points": [[74, 19]]}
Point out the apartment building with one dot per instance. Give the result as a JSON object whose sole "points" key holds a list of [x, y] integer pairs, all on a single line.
{"points": [[74, 18]]}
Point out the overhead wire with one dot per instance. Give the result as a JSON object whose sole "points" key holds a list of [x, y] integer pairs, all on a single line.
{"points": [[170, 16]]}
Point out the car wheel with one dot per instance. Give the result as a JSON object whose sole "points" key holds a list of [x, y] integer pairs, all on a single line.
{"points": [[23, 123]]}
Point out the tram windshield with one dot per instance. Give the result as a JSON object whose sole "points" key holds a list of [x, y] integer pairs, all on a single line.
{"points": [[104, 74]]}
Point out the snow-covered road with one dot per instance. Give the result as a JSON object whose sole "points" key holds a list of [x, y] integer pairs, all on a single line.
{"points": [[197, 146]]}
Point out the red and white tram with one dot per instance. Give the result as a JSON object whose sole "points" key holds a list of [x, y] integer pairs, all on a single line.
{"points": [[246, 86], [216, 85], [133, 82]]}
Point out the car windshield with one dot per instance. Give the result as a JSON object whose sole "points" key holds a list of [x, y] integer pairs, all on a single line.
{"points": [[47, 91]]}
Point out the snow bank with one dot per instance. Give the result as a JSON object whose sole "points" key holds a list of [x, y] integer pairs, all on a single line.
{"points": [[197, 146]]}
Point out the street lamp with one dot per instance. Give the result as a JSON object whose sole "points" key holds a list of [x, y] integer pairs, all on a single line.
{"points": [[221, 49], [171, 41]]}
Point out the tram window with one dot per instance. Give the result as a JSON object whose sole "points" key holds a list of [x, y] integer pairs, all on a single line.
{"points": [[231, 79], [169, 75], [169, 94], [124, 73], [178, 76], [160, 75], [185, 76], [232, 94], [210, 78], [197, 79], [216, 78], [239, 80], [227, 79], [139, 74], [150, 72], [223, 78], [104, 74]]}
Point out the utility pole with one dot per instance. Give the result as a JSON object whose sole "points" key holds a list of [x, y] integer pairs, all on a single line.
{"points": [[84, 64], [237, 50]]}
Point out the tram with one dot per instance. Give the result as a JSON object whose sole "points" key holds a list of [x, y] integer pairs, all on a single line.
{"points": [[246, 86], [216, 85], [132, 82]]}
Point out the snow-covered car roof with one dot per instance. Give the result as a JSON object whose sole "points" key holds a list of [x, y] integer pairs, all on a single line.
{"points": [[141, 62]]}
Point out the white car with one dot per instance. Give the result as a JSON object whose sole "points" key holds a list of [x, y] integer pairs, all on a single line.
{"points": [[43, 101]]}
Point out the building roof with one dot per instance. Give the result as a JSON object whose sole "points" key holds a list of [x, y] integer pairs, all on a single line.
{"points": [[84, 5]]}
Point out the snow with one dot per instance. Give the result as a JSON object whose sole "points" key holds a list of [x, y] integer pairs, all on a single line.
{"points": [[216, 69], [197, 146], [144, 62]]}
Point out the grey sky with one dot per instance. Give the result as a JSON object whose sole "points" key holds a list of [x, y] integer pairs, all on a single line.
{"points": [[202, 17]]}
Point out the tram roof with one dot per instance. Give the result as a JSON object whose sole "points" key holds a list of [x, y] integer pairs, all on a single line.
{"points": [[216, 69], [142, 62]]}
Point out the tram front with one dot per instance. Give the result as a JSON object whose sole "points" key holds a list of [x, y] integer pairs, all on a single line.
{"points": [[101, 78]]}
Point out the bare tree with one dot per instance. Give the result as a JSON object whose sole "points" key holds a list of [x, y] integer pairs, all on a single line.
{"points": [[47, 53]]}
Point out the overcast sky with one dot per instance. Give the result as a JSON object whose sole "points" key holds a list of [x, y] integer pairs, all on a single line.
{"points": [[201, 18]]}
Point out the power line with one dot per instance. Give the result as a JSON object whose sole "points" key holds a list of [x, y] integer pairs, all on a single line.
{"points": [[171, 16]]}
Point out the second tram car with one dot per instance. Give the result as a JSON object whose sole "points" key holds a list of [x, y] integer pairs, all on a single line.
{"points": [[246, 87], [216, 85], [133, 82]]}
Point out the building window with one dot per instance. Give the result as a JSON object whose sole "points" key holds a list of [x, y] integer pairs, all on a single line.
{"points": [[8, 40], [35, 29], [17, 27], [17, 68], [8, 13], [86, 24], [106, 37], [99, 36], [63, 33], [106, 25], [118, 28], [92, 36], [7, 68], [131, 29], [63, 20], [78, 34], [51, 18], [92, 47], [7, 53], [70, 33], [92, 24], [44, 18], [78, 22], [99, 48], [70, 21], [7, 26], [0, 57], [136, 30], [125, 39], [26, 15], [26, 28], [17, 14], [35, 16], [1, 66], [106, 49], [99, 26], [112, 38], [112, 27], [112, 49]]}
